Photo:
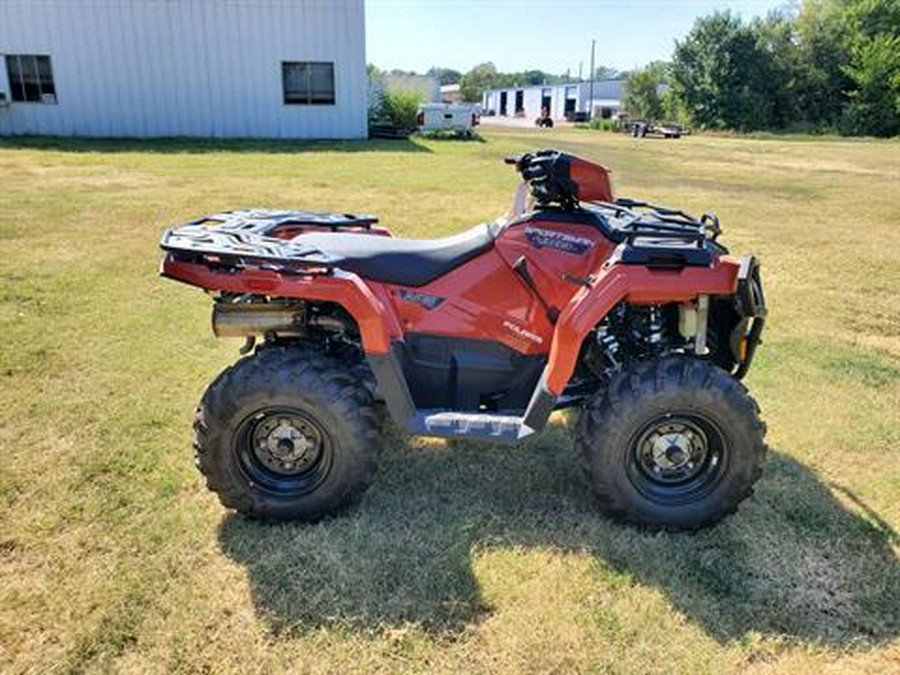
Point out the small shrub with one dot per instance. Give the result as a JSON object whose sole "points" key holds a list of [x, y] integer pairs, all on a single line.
{"points": [[601, 125], [398, 108]]}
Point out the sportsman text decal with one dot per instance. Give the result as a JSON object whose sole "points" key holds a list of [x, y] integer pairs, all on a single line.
{"points": [[561, 241]]}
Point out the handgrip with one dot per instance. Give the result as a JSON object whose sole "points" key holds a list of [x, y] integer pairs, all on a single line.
{"points": [[521, 162]]}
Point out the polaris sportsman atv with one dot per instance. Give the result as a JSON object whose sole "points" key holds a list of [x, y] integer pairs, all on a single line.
{"points": [[632, 313]]}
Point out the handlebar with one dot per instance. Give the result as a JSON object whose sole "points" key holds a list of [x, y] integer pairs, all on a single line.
{"points": [[519, 161], [529, 165]]}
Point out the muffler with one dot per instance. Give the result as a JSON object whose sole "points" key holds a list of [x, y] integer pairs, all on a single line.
{"points": [[249, 319], [288, 319]]}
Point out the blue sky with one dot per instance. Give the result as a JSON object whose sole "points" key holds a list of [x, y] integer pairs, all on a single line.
{"points": [[553, 35]]}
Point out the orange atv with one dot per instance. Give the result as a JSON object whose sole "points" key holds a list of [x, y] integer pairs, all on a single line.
{"points": [[632, 313]]}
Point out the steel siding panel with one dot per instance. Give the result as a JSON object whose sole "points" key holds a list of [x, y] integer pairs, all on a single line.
{"points": [[177, 67]]}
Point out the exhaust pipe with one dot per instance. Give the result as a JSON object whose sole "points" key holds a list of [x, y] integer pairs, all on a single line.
{"points": [[249, 319], [242, 320]]}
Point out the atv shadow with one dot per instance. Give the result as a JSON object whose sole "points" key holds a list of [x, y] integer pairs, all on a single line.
{"points": [[794, 562]]}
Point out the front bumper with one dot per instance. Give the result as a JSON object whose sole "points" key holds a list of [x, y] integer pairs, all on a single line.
{"points": [[750, 303]]}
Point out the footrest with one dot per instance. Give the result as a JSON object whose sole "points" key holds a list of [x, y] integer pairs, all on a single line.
{"points": [[470, 425]]}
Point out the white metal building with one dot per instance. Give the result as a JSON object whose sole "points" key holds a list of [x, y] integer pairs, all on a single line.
{"points": [[226, 68], [560, 99]]}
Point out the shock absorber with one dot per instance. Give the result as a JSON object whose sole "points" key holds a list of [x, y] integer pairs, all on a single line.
{"points": [[609, 346], [654, 327]]}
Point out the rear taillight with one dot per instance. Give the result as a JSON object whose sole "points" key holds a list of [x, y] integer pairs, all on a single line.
{"points": [[475, 119], [420, 119]]}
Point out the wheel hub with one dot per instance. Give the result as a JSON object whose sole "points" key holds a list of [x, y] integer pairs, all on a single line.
{"points": [[285, 444], [672, 450]]}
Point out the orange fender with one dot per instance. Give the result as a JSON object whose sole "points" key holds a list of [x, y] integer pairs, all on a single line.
{"points": [[637, 285]]}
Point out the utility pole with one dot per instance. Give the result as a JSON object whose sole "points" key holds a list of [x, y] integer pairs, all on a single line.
{"points": [[591, 86]]}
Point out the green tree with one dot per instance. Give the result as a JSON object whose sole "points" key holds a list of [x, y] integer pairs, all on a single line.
{"points": [[474, 82], [531, 77], [444, 75], [780, 68], [829, 64], [873, 39], [874, 107], [822, 84], [673, 109], [605, 73], [662, 70], [723, 76], [867, 19], [642, 99]]}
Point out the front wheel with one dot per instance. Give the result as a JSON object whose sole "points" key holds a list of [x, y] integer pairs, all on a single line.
{"points": [[287, 434], [674, 443]]}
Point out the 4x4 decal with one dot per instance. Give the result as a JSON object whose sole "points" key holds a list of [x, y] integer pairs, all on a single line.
{"points": [[427, 301]]}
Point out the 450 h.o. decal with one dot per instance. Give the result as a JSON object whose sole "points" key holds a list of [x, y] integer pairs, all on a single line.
{"points": [[561, 241]]}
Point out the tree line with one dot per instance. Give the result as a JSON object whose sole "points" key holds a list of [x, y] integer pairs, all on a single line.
{"points": [[820, 66], [830, 65]]}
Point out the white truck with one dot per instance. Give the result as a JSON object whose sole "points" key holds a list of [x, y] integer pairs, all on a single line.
{"points": [[460, 118]]}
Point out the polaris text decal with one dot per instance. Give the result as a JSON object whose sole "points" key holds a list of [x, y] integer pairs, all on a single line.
{"points": [[561, 241], [522, 332]]}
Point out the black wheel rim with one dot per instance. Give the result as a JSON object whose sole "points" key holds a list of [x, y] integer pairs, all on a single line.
{"points": [[283, 451], [677, 458]]}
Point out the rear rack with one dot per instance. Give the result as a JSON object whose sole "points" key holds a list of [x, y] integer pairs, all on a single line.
{"points": [[260, 237], [280, 223]]}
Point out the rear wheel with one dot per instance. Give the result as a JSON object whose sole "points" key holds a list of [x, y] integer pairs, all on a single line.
{"points": [[287, 434], [674, 443]]}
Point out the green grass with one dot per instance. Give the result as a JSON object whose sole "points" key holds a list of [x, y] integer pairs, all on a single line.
{"points": [[461, 558]]}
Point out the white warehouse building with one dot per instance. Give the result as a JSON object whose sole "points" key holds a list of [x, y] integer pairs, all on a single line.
{"points": [[214, 68], [603, 100]]}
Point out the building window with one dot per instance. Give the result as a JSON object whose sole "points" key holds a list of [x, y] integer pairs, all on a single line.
{"points": [[308, 82], [571, 100], [546, 101], [30, 78]]}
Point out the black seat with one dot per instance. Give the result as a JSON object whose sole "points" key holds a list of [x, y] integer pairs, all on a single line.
{"points": [[407, 262]]}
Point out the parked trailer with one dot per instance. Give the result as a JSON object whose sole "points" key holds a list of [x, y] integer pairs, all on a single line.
{"points": [[642, 129], [452, 117]]}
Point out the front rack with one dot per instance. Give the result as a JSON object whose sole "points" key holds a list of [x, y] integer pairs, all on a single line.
{"points": [[644, 218], [658, 236]]}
